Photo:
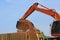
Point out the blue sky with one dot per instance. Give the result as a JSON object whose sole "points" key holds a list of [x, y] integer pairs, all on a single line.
{"points": [[12, 10]]}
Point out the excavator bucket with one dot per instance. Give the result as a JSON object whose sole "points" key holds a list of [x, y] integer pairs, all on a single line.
{"points": [[27, 26], [55, 30]]}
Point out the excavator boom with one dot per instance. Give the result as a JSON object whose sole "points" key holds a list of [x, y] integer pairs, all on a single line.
{"points": [[47, 11]]}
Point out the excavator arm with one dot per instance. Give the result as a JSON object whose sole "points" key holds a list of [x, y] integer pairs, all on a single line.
{"points": [[30, 10], [55, 31], [47, 11]]}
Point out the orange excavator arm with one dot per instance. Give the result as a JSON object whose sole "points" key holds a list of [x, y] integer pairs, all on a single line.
{"points": [[55, 30], [47, 11]]}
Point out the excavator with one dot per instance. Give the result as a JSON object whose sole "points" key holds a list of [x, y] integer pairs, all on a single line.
{"points": [[55, 29]]}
